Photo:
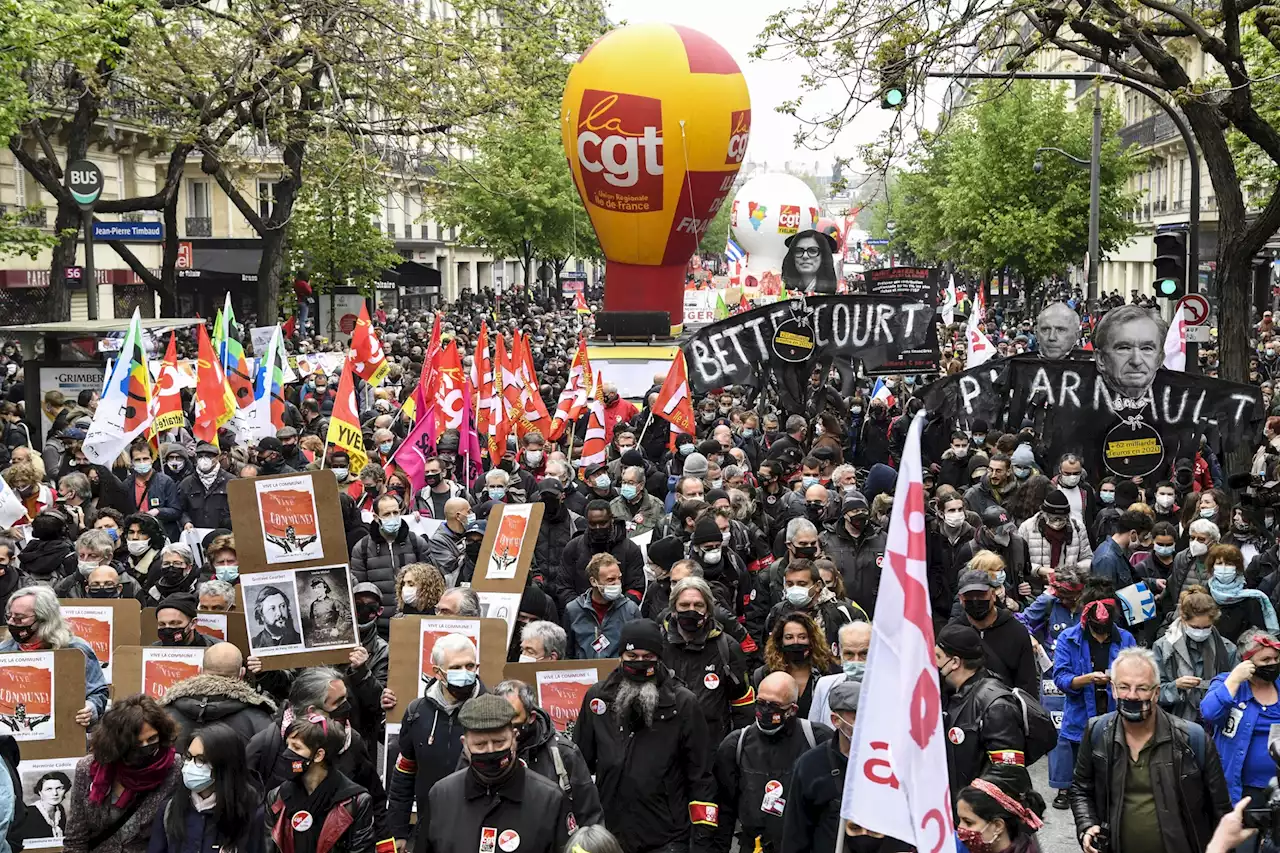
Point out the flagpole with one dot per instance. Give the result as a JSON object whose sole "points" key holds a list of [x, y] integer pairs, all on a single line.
{"points": [[645, 428], [572, 431]]}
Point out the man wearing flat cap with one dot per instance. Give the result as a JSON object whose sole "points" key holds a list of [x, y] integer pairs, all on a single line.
{"points": [[644, 737], [495, 801], [981, 716]]}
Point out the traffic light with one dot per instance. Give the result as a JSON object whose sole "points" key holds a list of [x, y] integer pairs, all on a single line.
{"points": [[1171, 264], [893, 85]]}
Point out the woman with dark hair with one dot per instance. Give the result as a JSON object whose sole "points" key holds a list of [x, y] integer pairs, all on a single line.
{"points": [[995, 816], [47, 816], [145, 539], [131, 771], [797, 646], [220, 806], [809, 266]]}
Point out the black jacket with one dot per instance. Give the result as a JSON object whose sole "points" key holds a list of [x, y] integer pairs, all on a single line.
{"points": [[947, 558], [650, 779], [1010, 657], [161, 494], [859, 561], [553, 536], [205, 507], [538, 753], [205, 699], [1016, 555], [353, 812], [715, 671], [989, 720], [460, 809], [746, 761], [1190, 798], [44, 562], [367, 683], [73, 585], [571, 576], [378, 561]]}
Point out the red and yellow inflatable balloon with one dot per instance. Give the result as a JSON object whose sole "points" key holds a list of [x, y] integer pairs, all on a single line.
{"points": [[655, 120]]}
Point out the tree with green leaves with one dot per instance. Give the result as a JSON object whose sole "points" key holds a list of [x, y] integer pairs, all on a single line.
{"points": [[516, 196], [717, 235], [973, 197], [1146, 41]]}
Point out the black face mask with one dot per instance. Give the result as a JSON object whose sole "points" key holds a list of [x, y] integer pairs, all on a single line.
{"points": [[342, 711], [814, 513], [21, 633], [773, 719], [598, 535], [689, 620], [295, 765], [113, 592], [1101, 629], [978, 608], [805, 552], [172, 636], [433, 479], [491, 767], [1134, 710], [795, 652], [141, 756], [640, 670], [1268, 672], [366, 613], [473, 550], [526, 732]]}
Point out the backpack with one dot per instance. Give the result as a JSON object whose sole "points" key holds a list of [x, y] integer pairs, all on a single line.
{"points": [[805, 726], [1037, 726]]}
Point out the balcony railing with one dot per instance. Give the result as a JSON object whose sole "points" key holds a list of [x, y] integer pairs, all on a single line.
{"points": [[391, 230], [199, 226], [133, 216], [35, 218], [1149, 131]]}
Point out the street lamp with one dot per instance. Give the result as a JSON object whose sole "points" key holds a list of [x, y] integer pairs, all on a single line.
{"points": [[1091, 264]]}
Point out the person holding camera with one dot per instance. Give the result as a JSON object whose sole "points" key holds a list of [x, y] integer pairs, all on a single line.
{"points": [[1145, 780], [1241, 707]]}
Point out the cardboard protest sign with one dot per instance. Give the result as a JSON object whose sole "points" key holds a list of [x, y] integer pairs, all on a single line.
{"points": [[104, 624], [224, 627], [290, 523], [292, 519], [507, 550], [501, 605], [561, 685], [154, 669], [40, 695], [1127, 422], [412, 638], [300, 617], [45, 788]]}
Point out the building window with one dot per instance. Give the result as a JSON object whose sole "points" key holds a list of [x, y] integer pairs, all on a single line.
{"points": [[199, 203], [266, 198], [120, 182], [19, 184]]}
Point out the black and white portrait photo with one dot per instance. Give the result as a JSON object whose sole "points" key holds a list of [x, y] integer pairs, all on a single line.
{"points": [[1128, 347], [273, 613], [809, 266], [1057, 330], [46, 789], [324, 603]]}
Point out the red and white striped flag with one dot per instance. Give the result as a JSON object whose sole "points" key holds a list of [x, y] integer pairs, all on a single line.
{"points": [[595, 444], [897, 782], [573, 399]]}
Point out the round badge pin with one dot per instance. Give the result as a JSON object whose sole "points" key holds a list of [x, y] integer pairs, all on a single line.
{"points": [[956, 735], [508, 841], [598, 706], [711, 681], [302, 821]]}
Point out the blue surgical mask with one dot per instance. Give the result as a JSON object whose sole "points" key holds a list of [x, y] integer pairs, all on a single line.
{"points": [[855, 668], [196, 777], [497, 493], [797, 596], [142, 469], [386, 446], [340, 473], [226, 573], [1164, 550], [686, 449], [460, 677], [1107, 497], [629, 491], [1021, 473], [1208, 513], [603, 482], [809, 481], [1224, 574], [391, 525], [113, 533], [1000, 576]]}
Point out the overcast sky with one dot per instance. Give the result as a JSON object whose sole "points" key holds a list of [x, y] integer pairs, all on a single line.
{"points": [[736, 25]]}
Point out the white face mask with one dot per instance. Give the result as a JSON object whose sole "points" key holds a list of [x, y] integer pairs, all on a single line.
{"points": [[138, 547], [1198, 634], [1164, 501], [528, 659], [612, 592], [205, 464], [409, 594], [1197, 549], [1069, 480]]}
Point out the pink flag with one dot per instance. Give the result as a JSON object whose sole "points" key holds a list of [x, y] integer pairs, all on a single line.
{"points": [[896, 782], [469, 446], [419, 446]]}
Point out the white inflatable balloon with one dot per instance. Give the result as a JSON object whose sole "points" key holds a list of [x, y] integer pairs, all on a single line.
{"points": [[766, 211]]}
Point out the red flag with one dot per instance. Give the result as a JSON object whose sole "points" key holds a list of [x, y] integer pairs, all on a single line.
{"points": [[674, 403], [368, 360], [500, 416], [594, 445], [168, 396], [482, 381], [290, 327], [743, 304], [449, 389], [212, 393], [573, 399]]}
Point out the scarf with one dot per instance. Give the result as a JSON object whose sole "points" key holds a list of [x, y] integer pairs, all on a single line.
{"points": [[207, 480], [1230, 593], [102, 777], [1056, 539]]}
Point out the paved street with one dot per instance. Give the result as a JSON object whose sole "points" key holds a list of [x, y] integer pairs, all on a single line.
{"points": [[1058, 835]]}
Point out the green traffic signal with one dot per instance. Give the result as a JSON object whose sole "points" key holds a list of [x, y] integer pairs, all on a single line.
{"points": [[893, 98], [1168, 287]]}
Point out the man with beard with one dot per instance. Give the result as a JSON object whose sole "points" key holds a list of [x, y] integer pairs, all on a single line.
{"points": [[645, 739], [274, 612], [549, 754], [753, 766]]}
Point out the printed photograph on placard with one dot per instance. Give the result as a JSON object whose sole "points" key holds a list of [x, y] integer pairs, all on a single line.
{"points": [[433, 630], [325, 606], [27, 695], [162, 668], [94, 625], [46, 790], [271, 606], [212, 625], [506, 545], [290, 525], [560, 694], [390, 755], [501, 605]]}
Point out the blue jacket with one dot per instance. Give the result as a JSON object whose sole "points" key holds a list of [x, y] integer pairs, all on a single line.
{"points": [[1216, 708], [162, 494], [585, 629], [1111, 562], [1070, 659], [1046, 619], [95, 683]]}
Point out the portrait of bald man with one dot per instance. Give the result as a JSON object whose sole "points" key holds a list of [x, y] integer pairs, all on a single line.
{"points": [[1057, 330]]}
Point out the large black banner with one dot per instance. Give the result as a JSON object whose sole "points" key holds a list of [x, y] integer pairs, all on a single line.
{"points": [[1116, 415], [919, 284], [783, 342]]}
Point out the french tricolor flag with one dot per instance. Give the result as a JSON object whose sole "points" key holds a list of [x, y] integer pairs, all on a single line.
{"points": [[882, 392]]}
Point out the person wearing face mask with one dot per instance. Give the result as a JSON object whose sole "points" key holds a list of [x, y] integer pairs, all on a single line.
{"points": [[1115, 495], [219, 805], [1024, 501], [203, 493], [949, 534], [997, 814], [219, 695], [804, 592], [1081, 496], [1191, 653], [802, 542], [152, 492], [94, 550], [176, 623], [873, 442], [389, 546], [705, 658], [854, 643], [811, 820], [550, 755], [1006, 642], [177, 461], [175, 573], [753, 765], [438, 491], [595, 618], [1148, 775], [1241, 608], [448, 545], [559, 525], [720, 565], [1239, 707], [271, 453], [637, 509], [604, 535], [132, 768], [662, 554], [430, 744], [953, 469], [1000, 536], [418, 590], [645, 739], [982, 717], [1111, 557], [495, 792], [1055, 541], [318, 807], [798, 647], [367, 664], [855, 545]]}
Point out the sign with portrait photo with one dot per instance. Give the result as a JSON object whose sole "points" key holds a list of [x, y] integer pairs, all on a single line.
{"points": [[290, 523], [300, 617], [46, 791]]}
